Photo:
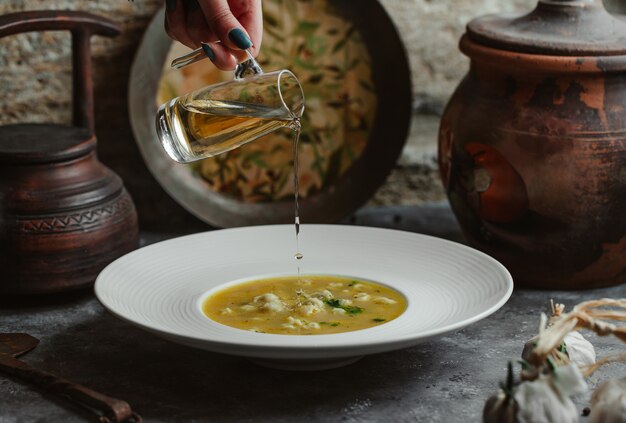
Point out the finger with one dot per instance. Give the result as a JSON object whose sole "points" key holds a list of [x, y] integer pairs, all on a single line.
{"points": [[175, 24], [227, 28], [240, 55], [220, 55], [197, 27], [250, 15]]}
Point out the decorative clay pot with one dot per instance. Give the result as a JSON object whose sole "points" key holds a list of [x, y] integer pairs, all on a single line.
{"points": [[532, 145], [63, 214]]}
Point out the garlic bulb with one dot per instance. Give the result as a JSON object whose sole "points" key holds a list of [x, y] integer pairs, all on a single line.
{"points": [[579, 350], [568, 380], [545, 399], [608, 403], [500, 408]]}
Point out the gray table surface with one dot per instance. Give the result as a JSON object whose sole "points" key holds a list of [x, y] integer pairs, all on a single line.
{"points": [[446, 380]]}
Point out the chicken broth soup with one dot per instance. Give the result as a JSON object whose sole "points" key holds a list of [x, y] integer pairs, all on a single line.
{"points": [[312, 305]]}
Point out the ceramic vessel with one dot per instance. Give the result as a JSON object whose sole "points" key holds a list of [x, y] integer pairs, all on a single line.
{"points": [[63, 214], [532, 145]]}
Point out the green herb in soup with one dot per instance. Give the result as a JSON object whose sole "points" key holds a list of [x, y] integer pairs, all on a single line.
{"points": [[312, 305]]}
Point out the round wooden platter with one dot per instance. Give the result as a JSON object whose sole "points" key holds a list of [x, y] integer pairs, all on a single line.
{"points": [[356, 78]]}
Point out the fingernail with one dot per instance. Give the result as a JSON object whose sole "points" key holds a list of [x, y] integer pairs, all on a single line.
{"points": [[208, 51], [170, 5], [192, 5], [240, 39]]}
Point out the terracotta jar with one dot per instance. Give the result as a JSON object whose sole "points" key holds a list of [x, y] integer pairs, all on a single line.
{"points": [[532, 145], [63, 214]]}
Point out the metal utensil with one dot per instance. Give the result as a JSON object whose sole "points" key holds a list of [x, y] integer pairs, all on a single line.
{"points": [[187, 59], [243, 68], [109, 410]]}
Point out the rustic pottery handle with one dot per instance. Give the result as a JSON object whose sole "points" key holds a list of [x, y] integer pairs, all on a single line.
{"points": [[82, 26], [110, 410]]}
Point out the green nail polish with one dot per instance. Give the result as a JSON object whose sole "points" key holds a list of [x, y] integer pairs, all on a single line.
{"points": [[170, 5], [240, 39], [208, 51]]}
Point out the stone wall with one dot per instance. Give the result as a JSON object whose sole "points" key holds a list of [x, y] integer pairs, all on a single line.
{"points": [[35, 81], [35, 70]]}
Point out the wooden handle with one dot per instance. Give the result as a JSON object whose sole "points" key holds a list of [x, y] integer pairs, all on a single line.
{"points": [[82, 26], [110, 409]]}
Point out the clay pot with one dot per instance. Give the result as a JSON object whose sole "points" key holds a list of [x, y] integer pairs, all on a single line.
{"points": [[532, 145], [63, 215]]}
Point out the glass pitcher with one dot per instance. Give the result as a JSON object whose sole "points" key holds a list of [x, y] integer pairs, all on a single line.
{"points": [[222, 117]]}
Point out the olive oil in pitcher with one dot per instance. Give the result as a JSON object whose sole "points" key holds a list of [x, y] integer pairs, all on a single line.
{"points": [[222, 117]]}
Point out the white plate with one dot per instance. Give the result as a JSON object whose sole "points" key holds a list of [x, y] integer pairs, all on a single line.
{"points": [[160, 288]]}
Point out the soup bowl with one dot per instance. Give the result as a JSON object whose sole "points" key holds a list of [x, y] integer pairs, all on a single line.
{"points": [[161, 288]]}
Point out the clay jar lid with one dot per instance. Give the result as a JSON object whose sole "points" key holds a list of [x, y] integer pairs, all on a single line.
{"points": [[555, 28], [43, 143]]}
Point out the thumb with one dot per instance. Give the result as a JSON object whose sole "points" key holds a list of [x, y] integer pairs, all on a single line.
{"points": [[225, 25]]}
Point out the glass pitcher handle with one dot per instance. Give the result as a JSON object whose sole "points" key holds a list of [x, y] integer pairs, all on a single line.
{"points": [[248, 68]]}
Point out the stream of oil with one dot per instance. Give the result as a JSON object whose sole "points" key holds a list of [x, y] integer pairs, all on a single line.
{"points": [[296, 126]]}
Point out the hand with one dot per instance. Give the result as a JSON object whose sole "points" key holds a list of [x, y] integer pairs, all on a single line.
{"points": [[223, 28]]}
